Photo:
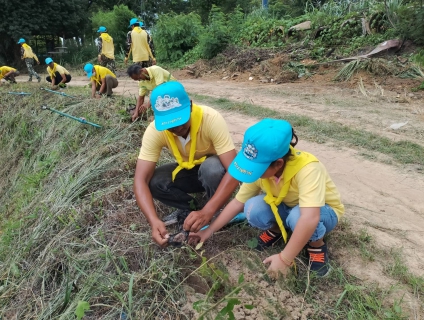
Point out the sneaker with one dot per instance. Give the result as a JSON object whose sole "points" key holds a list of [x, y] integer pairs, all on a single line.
{"points": [[318, 260], [267, 239], [178, 216], [30, 80], [39, 79]]}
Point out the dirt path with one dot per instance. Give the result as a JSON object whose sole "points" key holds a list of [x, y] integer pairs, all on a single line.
{"points": [[378, 197]]}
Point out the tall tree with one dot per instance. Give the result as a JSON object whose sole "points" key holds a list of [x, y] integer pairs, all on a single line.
{"points": [[39, 17]]}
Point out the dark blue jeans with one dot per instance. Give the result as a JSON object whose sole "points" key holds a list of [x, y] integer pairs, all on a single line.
{"points": [[202, 178]]}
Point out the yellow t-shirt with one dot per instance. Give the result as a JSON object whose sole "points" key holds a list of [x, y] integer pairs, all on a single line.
{"points": [[107, 46], [213, 138], [310, 187], [28, 53], [157, 76], [139, 45], [101, 73], [5, 70], [59, 69]]}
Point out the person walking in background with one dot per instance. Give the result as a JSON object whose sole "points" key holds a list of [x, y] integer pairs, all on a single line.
{"points": [[58, 75], [106, 48], [148, 79], [29, 56], [102, 80], [138, 44], [8, 73]]}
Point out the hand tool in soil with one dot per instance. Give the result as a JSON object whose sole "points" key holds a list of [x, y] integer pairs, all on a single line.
{"points": [[178, 239], [58, 92], [82, 120], [20, 93]]}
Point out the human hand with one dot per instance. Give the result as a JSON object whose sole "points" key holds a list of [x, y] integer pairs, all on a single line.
{"points": [[154, 62], [159, 233], [196, 220], [134, 115], [99, 58], [276, 266], [199, 237], [98, 96], [38, 62], [126, 60], [54, 87]]}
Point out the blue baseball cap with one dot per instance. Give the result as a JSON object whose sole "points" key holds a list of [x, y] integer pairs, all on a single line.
{"points": [[171, 105], [49, 60], [88, 68], [133, 21], [141, 23], [263, 143], [102, 29], [21, 40]]}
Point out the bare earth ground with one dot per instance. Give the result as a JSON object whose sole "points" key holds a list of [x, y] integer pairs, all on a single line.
{"points": [[385, 200]]}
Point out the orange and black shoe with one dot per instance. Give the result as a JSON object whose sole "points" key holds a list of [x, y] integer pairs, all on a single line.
{"points": [[267, 239], [318, 260]]}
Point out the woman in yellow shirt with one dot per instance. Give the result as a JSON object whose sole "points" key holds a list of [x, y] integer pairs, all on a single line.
{"points": [[283, 188]]}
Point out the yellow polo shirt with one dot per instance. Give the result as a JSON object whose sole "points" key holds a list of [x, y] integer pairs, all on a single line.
{"points": [[59, 69], [139, 45], [310, 187], [107, 45], [5, 70], [101, 73], [28, 53], [213, 138], [157, 76]]}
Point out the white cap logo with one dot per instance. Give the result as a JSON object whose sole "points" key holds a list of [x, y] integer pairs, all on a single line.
{"points": [[250, 151], [166, 103]]}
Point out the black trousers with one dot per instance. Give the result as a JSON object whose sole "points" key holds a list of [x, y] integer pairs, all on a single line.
{"points": [[58, 78], [202, 178]]}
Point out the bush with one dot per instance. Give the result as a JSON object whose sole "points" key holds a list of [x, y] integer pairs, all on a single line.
{"points": [[216, 35], [175, 34], [411, 23]]}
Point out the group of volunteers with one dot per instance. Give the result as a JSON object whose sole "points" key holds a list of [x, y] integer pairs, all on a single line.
{"points": [[285, 192]]}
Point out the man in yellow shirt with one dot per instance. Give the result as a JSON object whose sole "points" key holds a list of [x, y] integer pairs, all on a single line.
{"points": [[29, 56], [138, 44], [199, 139], [8, 74], [148, 79], [58, 76], [106, 55], [102, 80]]}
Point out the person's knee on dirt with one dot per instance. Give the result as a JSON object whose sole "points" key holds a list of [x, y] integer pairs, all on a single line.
{"points": [[106, 49], [138, 43], [148, 79], [29, 56], [299, 195], [201, 144], [8, 74], [102, 80], [58, 75]]}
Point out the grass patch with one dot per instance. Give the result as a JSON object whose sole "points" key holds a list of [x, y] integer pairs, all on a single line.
{"points": [[403, 152]]}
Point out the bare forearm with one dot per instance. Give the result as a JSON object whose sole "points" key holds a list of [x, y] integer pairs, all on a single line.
{"points": [[93, 89], [140, 101], [229, 212], [144, 200], [222, 194], [303, 231]]}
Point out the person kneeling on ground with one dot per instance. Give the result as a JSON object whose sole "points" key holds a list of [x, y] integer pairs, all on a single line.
{"points": [[102, 80], [8, 73], [58, 75], [297, 194], [148, 79], [199, 139]]}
